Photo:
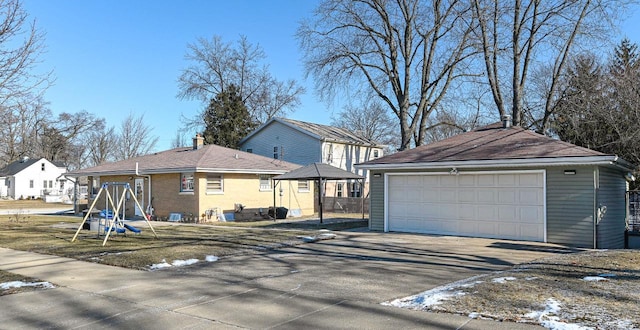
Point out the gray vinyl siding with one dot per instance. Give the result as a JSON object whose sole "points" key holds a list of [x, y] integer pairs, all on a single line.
{"points": [[299, 148], [570, 206], [376, 206], [611, 193]]}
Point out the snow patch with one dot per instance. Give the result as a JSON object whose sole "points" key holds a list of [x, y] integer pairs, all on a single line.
{"points": [[548, 319], [180, 263], [175, 263], [312, 239], [211, 258], [20, 284], [161, 265], [503, 280], [594, 278], [434, 296]]}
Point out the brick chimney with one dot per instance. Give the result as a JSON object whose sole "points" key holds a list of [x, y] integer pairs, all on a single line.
{"points": [[198, 142]]}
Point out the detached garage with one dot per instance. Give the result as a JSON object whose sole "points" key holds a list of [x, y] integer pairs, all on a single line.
{"points": [[502, 182]]}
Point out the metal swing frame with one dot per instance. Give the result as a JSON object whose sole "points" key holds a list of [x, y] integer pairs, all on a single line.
{"points": [[116, 209]]}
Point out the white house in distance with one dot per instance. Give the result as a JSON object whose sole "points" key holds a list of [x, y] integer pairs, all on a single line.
{"points": [[306, 143], [32, 178]]}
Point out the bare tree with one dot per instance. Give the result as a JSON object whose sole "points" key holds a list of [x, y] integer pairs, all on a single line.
{"points": [[516, 37], [215, 65], [179, 140], [405, 52], [20, 45], [371, 120], [58, 136], [134, 138], [19, 135], [101, 145]]}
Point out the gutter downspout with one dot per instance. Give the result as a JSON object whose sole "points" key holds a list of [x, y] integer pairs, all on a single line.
{"points": [[149, 206]]}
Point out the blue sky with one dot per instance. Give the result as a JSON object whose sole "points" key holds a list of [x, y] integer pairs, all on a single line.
{"points": [[115, 57]]}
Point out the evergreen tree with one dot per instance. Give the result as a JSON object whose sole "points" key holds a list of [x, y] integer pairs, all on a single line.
{"points": [[227, 119]]}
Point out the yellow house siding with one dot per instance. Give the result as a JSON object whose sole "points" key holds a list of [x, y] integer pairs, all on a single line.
{"points": [[238, 188], [245, 189]]}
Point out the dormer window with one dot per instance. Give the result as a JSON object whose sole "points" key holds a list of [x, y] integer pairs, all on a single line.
{"points": [[375, 154]]}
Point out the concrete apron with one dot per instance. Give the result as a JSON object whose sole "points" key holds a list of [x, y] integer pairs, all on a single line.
{"points": [[333, 284]]}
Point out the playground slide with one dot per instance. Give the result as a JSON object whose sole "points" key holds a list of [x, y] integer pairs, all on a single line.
{"points": [[132, 228], [115, 229]]}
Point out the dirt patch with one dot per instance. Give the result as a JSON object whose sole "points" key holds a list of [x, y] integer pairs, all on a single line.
{"points": [[598, 289]]}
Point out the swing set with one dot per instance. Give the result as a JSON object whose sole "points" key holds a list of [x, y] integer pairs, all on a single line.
{"points": [[112, 220]]}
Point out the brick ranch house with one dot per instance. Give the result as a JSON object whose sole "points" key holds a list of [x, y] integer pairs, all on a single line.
{"points": [[194, 180]]}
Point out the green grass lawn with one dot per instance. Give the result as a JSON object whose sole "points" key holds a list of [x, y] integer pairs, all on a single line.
{"points": [[53, 234]]}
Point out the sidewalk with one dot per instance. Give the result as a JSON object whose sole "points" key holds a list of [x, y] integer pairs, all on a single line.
{"points": [[97, 296]]}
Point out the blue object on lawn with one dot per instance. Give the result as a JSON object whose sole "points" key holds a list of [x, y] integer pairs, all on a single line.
{"points": [[106, 214], [116, 229], [132, 228]]}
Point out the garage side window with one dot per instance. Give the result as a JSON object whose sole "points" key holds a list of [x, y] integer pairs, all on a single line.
{"points": [[186, 182], [215, 184]]}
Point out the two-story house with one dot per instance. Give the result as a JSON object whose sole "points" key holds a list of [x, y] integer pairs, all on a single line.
{"points": [[32, 178], [304, 143]]}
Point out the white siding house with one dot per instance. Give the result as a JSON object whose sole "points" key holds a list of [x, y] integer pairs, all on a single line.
{"points": [[306, 143], [32, 178]]}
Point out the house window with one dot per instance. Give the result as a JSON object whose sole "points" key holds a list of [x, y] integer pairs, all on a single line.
{"points": [[355, 189], [215, 184], [30, 183], [186, 182], [275, 152], [249, 150], [339, 189], [303, 186], [265, 182], [42, 166], [375, 154], [50, 184], [44, 184], [329, 153]]}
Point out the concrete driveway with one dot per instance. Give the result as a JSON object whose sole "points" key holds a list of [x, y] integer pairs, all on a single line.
{"points": [[337, 283]]}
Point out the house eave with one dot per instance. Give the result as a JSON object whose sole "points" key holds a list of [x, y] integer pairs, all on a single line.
{"points": [[614, 161], [179, 170]]}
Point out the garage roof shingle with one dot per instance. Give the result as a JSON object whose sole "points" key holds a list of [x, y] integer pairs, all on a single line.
{"points": [[491, 142]]}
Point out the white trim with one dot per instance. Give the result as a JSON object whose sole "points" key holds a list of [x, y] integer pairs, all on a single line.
{"points": [[544, 189], [544, 203], [493, 163]]}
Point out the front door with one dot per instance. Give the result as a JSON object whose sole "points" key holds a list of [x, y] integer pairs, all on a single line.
{"points": [[139, 191]]}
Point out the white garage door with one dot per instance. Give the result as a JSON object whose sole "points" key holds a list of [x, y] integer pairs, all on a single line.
{"points": [[506, 205]]}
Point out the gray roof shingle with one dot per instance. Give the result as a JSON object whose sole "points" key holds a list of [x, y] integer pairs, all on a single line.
{"points": [[209, 158], [488, 143], [331, 133], [318, 171]]}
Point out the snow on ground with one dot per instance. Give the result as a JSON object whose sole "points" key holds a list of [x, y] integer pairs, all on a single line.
{"points": [[547, 318], [502, 280], [19, 284], [601, 277], [180, 263], [434, 296], [324, 235]]}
